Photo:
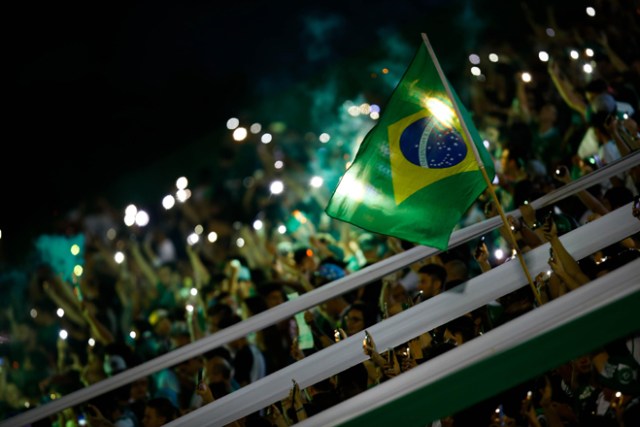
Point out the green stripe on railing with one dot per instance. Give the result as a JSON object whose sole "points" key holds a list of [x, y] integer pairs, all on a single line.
{"points": [[507, 369]]}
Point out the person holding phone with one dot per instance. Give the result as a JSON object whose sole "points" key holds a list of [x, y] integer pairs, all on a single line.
{"points": [[563, 265], [294, 404]]}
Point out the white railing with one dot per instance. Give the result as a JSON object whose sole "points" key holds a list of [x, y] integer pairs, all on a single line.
{"points": [[529, 345], [412, 322], [464, 298]]}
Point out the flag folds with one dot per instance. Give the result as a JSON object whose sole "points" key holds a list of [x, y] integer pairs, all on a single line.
{"points": [[415, 173]]}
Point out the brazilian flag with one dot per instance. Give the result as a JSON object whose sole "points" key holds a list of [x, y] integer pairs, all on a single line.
{"points": [[415, 173]]}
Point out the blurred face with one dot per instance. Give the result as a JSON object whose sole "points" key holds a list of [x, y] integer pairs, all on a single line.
{"points": [[333, 307], [152, 419], [164, 275], [163, 327], [274, 298], [548, 112], [509, 166], [139, 389], [428, 285], [216, 367], [308, 264], [212, 325], [582, 364], [398, 293], [354, 321], [452, 338], [188, 370]]}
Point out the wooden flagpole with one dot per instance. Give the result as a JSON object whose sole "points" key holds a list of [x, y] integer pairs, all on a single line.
{"points": [[481, 167]]}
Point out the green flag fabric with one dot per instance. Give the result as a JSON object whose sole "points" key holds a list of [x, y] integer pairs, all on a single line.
{"points": [[415, 174]]}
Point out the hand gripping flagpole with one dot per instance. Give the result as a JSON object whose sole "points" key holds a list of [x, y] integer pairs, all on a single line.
{"points": [[481, 167]]}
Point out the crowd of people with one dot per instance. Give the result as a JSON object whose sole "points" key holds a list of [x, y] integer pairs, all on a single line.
{"points": [[144, 291]]}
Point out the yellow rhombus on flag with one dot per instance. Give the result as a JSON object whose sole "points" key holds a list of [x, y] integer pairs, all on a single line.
{"points": [[415, 173]]}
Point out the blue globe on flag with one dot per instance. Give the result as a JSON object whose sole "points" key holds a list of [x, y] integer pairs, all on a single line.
{"points": [[424, 144]]}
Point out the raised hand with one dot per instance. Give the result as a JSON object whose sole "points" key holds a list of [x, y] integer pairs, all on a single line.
{"points": [[549, 229]]}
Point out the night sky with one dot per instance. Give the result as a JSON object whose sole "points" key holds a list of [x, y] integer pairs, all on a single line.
{"points": [[96, 91]]}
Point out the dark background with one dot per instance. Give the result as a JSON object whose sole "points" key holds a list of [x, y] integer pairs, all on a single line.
{"points": [[97, 92]]}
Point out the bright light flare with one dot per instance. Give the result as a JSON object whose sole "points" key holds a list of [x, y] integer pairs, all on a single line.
{"points": [[266, 138], [131, 210], [443, 113], [183, 195], [299, 216], [119, 257], [255, 128], [240, 134], [233, 123], [142, 218], [111, 233], [352, 188], [353, 111], [130, 216], [316, 182], [168, 202], [182, 183], [193, 238], [365, 109], [276, 187]]}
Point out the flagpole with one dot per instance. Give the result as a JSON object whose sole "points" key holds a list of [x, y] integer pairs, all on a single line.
{"points": [[481, 167]]}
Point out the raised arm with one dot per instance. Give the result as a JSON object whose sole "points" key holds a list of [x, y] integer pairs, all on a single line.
{"points": [[98, 330], [147, 270], [562, 259], [566, 89], [200, 271], [54, 290], [589, 200]]}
